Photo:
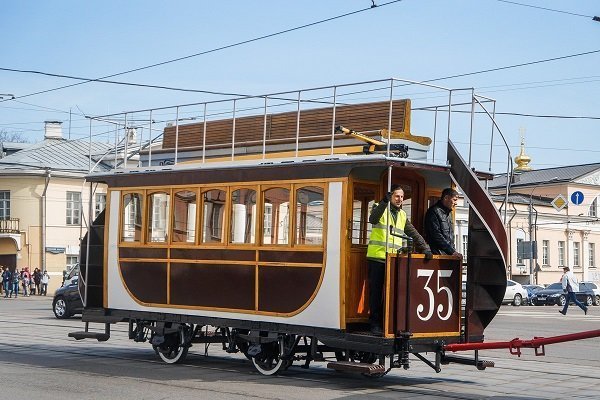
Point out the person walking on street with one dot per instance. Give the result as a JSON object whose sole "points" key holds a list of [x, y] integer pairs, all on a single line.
{"points": [[570, 286], [45, 279]]}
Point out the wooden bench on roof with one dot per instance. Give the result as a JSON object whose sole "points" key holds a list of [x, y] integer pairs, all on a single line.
{"points": [[314, 131]]}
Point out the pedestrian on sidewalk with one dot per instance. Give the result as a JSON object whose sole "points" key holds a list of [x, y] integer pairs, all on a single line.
{"points": [[570, 286], [25, 281], [45, 279], [37, 278], [16, 278], [6, 281]]}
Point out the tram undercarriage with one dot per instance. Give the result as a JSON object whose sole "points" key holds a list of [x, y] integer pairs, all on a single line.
{"points": [[273, 348]]}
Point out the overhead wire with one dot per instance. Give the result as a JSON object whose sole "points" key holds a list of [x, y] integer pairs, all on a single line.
{"points": [[545, 9], [255, 39]]}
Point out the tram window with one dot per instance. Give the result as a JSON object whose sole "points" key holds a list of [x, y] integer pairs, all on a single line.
{"points": [[158, 217], [184, 216], [276, 216], [364, 198], [310, 205], [243, 216], [212, 216], [132, 218]]}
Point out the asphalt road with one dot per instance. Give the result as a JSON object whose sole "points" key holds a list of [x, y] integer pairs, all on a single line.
{"points": [[38, 361]]}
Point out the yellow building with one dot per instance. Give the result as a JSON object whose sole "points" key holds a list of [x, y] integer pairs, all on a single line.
{"points": [[44, 202]]}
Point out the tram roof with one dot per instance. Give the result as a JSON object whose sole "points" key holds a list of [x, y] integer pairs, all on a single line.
{"points": [[330, 166]]}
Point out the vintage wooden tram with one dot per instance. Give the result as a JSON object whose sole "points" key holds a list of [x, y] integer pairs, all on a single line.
{"points": [[265, 252]]}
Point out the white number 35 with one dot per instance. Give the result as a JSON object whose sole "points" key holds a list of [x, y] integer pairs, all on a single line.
{"points": [[440, 307]]}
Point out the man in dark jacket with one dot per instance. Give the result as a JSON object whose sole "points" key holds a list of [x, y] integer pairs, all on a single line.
{"points": [[439, 228]]}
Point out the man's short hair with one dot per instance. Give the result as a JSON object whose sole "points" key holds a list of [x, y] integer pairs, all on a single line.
{"points": [[449, 192], [396, 187]]}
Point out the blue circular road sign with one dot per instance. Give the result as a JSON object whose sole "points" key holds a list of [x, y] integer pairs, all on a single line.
{"points": [[577, 198]]}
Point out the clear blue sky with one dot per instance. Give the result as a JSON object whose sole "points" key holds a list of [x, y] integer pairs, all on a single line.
{"points": [[412, 39]]}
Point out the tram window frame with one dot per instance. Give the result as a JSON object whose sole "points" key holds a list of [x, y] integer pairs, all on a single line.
{"points": [[140, 225], [195, 220], [364, 228], [261, 228], [150, 213], [296, 241], [201, 217], [253, 232]]}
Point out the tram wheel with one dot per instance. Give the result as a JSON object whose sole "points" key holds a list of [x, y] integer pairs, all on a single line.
{"points": [[268, 360], [174, 349]]}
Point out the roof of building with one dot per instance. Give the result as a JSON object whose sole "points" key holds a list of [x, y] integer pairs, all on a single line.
{"points": [[519, 198], [547, 175], [57, 154]]}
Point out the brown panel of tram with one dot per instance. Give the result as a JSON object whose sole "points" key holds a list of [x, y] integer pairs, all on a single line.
{"points": [[212, 285], [286, 289], [147, 281], [309, 257], [142, 252], [213, 254]]}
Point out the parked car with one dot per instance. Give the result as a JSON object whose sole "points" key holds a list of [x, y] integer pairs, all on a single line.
{"points": [[531, 290], [67, 301], [515, 293], [595, 288], [554, 294]]}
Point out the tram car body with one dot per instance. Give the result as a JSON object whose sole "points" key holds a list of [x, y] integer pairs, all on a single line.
{"points": [[268, 257]]}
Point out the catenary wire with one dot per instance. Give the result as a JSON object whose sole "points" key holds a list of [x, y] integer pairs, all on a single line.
{"points": [[270, 35]]}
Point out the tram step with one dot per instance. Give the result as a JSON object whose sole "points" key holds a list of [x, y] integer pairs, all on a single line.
{"points": [[79, 335], [361, 368]]}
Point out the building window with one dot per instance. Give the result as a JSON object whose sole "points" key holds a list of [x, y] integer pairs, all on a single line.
{"points": [[594, 208], [576, 249], [73, 208], [99, 204], [561, 254], [519, 255], [4, 204], [465, 245], [71, 261], [592, 255], [545, 252]]}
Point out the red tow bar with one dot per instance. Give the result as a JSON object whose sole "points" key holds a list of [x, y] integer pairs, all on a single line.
{"points": [[515, 345]]}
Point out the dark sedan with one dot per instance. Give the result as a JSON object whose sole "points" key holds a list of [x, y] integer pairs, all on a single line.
{"points": [[67, 300], [554, 294]]}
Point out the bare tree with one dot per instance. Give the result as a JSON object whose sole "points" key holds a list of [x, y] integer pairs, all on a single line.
{"points": [[15, 137]]}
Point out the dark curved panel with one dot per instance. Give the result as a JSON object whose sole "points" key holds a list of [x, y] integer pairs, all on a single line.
{"points": [[487, 251], [147, 281], [142, 252], [309, 257], [213, 254], [213, 285], [478, 198], [286, 289]]}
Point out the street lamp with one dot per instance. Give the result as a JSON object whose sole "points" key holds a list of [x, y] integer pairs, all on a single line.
{"points": [[532, 256]]}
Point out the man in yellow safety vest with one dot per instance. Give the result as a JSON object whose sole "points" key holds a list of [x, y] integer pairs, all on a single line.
{"points": [[384, 219]]}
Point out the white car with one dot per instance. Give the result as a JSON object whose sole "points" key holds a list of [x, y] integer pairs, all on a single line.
{"points": [[515, 293], [596, 289]]}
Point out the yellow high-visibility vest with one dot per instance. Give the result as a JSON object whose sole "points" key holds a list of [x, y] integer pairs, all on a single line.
{"points": [[380, 231]]}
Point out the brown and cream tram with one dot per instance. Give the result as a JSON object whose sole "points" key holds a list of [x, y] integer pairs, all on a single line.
{"points": [[266, 253]]}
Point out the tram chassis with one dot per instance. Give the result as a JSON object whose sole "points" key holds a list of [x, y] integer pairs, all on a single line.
{"points": [[273, 347]]}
